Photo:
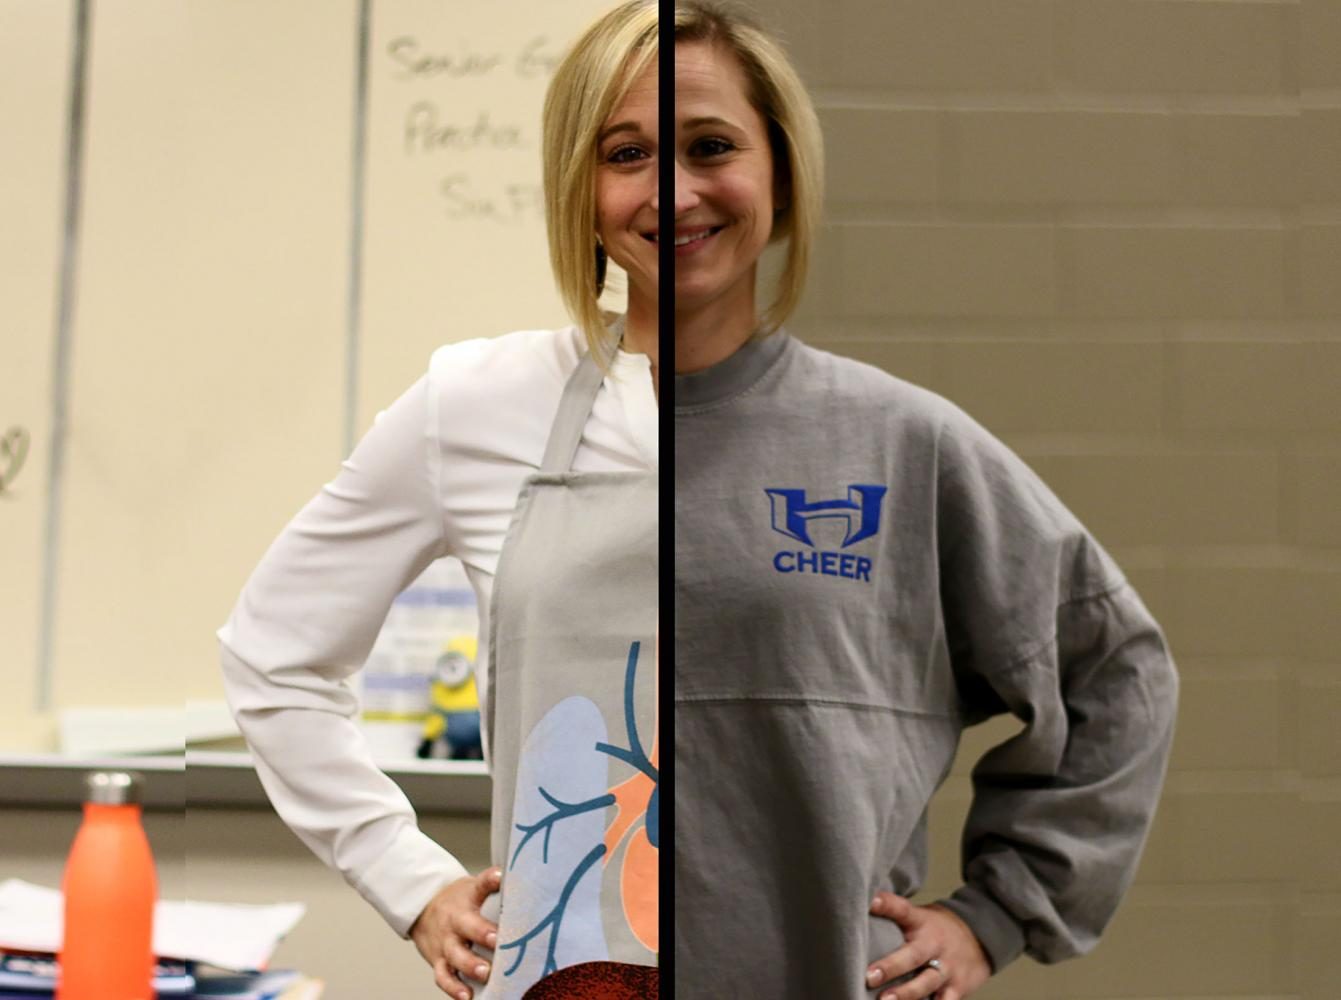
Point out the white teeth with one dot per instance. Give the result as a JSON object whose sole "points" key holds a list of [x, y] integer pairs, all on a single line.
{"points": [[687, 238], [691, 237]]}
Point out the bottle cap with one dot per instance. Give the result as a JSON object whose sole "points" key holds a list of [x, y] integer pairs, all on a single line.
{"points": [[113, 788]]}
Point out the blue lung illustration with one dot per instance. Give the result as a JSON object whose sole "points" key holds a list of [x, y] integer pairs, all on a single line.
{"points": [[552, 878]]}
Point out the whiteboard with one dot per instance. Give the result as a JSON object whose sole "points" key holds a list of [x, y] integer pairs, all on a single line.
{"points": [[283, 209]]}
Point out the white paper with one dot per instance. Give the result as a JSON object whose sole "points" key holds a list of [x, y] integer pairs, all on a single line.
{"points": [[30, 917], [229, 935]]}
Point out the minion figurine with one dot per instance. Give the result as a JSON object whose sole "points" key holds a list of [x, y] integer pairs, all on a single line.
{"points": [[454, 709]]}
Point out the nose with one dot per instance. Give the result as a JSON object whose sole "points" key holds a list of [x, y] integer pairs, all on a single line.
{"points": [[685, 195]]}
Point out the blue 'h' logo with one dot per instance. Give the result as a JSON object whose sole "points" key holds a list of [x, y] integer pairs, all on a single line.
{"points": [[861, 512]]}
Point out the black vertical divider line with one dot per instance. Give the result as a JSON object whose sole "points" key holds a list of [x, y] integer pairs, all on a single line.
{"points": [[358, 159], [61, 351], [666, 498]]}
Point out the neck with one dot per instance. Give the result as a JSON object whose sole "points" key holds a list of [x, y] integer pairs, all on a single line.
{"points": [[640, 336], [705, 336], [640, 330]]}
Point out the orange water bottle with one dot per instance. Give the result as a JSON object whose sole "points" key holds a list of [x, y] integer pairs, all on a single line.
{"points": [[110, 888]]}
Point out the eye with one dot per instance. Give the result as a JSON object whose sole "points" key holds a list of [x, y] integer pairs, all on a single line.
{"points": [[714, 146], [618, 155]]}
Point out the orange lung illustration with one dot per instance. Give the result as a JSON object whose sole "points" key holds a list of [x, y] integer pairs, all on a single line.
{"points": [[636, 798]]}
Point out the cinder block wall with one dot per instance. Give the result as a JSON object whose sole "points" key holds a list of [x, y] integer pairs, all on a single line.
{"points": [[1112, 232]]}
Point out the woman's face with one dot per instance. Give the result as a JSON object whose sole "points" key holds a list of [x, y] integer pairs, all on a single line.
{"points": [[724, 184], [626, 189]]}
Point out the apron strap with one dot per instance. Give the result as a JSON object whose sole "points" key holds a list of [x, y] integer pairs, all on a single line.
{"points": [[574, 408], [569, 422]]}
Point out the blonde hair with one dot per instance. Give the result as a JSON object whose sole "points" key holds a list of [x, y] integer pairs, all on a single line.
{"points": [[590, 83], [777, 93]]}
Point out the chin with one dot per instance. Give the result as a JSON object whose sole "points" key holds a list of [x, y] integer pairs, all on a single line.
{"points": [[699, 289]]}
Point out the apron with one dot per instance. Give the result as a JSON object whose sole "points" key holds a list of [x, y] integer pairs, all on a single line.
{"points": [[572, 726]]}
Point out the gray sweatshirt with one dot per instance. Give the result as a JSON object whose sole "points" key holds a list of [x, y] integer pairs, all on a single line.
{"points": [[861, 572]]}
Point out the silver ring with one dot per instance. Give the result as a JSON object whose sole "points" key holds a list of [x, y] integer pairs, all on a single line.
{"points": [[935, 963]]}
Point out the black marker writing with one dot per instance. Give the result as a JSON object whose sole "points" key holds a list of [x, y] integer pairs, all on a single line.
{"points": [[13, 450], [414, 63], [426, 132], [532, 62], [514, 203], [404, 51]]}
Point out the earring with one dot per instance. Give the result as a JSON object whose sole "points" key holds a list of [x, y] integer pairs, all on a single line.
{"points": [[600, 266]]}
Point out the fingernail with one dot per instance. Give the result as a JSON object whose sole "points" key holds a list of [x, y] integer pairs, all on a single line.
{"points": [[873, 976], [875, 903], [491, 939], [481, 971]]}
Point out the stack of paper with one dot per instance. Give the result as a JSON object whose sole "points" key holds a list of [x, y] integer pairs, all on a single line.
{"points": [[34, 973], [237, 941], [286, 985], [228, 935]]}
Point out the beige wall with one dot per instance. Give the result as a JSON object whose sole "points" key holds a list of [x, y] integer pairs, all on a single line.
{"points": [[1112, 232]]}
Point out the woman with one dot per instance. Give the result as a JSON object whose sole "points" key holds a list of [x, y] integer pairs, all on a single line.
{"points": [[861, 571], [532, 458]]}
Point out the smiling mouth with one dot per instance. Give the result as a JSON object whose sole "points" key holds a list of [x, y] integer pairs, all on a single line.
{"points": [[684, 239]]}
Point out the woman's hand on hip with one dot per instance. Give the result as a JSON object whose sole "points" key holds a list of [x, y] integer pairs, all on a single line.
{"points": [[450, 924], [937, 942]]}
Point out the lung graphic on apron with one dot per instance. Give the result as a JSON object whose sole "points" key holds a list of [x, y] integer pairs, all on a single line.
{"points": [[572, 725]]}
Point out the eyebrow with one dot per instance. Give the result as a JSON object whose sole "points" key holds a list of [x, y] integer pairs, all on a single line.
{"points": [[617, 127], [707, 120]]}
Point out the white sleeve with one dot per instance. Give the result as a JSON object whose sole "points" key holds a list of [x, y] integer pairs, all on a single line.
{"points": [[304, 623]]}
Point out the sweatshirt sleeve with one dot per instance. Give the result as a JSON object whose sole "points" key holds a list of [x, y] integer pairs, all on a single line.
{"points": [[1042, 624], [304, 623]]}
